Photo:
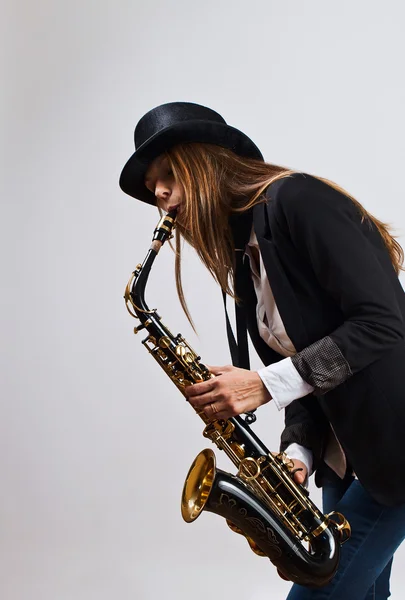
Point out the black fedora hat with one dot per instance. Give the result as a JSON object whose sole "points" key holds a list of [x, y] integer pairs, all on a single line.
{"points": [[174, 123]]}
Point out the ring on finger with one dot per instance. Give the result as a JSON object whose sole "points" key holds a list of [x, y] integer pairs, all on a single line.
{"points": [[213, 408]]}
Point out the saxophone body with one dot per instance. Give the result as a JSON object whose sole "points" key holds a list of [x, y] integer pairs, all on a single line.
{"points": [[262, 501]]}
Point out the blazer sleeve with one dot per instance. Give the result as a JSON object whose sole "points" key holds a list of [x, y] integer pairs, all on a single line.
{"points": [[325, 227]]}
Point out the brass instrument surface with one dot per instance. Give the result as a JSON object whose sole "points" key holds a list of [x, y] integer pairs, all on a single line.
{"points": [[268, 477], [289, 501]]}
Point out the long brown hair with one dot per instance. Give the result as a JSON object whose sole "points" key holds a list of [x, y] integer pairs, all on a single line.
{"points": [[217, 182]]}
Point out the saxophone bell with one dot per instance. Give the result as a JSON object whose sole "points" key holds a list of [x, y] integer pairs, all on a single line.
{"points": [[213, 490]]}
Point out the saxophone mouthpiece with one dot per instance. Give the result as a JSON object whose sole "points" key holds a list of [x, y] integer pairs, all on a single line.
{"points": [[163, 230]]}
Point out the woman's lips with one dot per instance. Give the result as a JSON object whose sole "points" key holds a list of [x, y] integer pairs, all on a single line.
{"points": [[178, 208]]}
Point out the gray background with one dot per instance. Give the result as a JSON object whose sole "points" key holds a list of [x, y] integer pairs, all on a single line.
{"points": [[95, 440]]}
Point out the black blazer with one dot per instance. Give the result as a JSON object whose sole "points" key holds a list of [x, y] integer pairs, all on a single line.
{"points": [[343, 307]]}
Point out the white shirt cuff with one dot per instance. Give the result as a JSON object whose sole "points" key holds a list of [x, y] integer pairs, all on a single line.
{"points": [[284, 383], [301, 453]]}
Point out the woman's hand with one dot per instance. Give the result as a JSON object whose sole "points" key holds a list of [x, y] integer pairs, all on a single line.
{"points": [[299, 476], [232, 392]]}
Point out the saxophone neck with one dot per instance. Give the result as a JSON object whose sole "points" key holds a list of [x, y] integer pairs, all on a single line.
{"points": [[134, 293]]}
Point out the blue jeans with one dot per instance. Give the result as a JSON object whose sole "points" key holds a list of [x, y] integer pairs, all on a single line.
{"points": [[366, 559]]}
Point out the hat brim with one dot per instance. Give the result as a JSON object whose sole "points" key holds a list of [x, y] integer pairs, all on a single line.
{"points": [[133, 174]]}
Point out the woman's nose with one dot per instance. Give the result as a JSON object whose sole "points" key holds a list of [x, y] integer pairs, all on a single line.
{"points": [[162, 193]]}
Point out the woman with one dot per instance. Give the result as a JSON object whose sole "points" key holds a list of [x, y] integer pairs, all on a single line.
{"points": [[316, 277]]}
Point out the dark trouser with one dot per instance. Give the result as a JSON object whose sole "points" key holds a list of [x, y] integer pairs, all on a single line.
{"points": [[366, 559]]}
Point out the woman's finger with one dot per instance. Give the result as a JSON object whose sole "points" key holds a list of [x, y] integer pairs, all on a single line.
{"points": [[299, 477], [198, 389], [202, 400], [215, 370]]}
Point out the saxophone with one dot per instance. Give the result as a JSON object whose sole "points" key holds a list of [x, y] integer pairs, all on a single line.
{"points": [[262, 502]]}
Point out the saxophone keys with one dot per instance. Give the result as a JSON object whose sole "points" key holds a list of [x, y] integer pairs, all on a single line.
{"points": [[150, 343], [142, 325], [285, 460], [342, 525], [238, 449], [184, 353], [164, 342], [249, 469]]}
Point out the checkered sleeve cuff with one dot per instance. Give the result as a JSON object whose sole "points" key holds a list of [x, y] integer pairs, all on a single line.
{"points": [[322, 365]]}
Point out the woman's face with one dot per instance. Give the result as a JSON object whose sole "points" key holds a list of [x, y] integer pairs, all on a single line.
{"points": [[160, 181]]}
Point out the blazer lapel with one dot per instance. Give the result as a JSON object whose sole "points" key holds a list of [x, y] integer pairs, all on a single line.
{"points": [[284, 295]]}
